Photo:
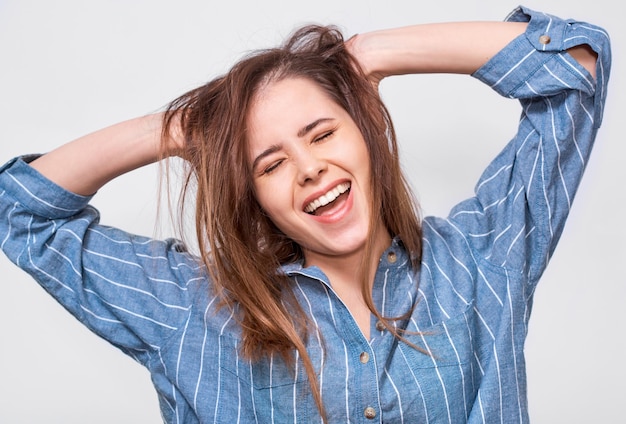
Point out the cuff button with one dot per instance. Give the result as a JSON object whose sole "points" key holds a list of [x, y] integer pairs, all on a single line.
{"points": [[545, 39]]}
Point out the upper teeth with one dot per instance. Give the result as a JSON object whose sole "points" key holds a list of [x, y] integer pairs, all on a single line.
{"points": [[325, 199]]}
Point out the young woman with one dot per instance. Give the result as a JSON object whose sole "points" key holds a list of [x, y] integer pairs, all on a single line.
{"points": [[319, 294]]}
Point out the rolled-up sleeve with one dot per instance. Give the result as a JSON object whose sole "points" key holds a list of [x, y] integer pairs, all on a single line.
{"points": [[524, 196]]}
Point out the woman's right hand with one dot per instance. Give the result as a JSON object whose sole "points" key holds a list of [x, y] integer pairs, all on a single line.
{"points": [[84, 165]]}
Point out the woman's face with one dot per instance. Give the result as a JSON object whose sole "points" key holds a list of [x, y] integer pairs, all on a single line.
{"points": [[311, 169]]}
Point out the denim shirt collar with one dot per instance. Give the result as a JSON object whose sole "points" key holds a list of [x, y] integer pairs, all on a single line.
{"points": [[396, 249]]}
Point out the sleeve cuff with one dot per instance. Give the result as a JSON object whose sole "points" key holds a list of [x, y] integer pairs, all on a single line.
{"points": [[548, 36], [36, 193], [506, 70]]}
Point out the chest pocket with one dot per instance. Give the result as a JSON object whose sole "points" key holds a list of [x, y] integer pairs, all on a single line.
{"points": [[272, 389], [447, 373]]}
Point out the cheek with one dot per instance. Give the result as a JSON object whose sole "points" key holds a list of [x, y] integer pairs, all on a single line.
{"points": [[359, 157], [261, 195], [274, 200]]}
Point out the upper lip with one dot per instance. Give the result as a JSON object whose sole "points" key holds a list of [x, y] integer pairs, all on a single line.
{"points": [[322, 191]]}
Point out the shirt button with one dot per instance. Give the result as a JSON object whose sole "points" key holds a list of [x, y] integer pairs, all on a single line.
{"points": [[392, 257], [364, 357], [545, 39], [380, 326], [370, 413]]}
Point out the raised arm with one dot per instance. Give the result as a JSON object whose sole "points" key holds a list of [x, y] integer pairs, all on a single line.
{"points": [[454, 47], [558, 70], [84, 165], [129, 289]]}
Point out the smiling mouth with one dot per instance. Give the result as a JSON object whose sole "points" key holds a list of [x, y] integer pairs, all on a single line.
{"points": [[317, 205]]}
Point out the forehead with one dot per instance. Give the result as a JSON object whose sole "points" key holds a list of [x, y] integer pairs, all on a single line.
{"points": [[283, 107]]}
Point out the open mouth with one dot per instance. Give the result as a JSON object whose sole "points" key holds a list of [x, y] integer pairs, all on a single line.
{"points": [[327, 201]]}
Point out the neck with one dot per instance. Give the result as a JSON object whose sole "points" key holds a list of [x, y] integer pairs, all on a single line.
{"points": [[343, 271]]}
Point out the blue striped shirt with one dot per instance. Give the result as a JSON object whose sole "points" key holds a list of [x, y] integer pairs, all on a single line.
{"points": [[472, 294]]}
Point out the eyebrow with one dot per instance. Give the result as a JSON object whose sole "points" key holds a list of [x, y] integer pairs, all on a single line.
{"points": [[272, 149], [277, 147]]}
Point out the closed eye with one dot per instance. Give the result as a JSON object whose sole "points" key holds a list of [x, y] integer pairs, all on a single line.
{"points": [[324, 136], [272, 167]]}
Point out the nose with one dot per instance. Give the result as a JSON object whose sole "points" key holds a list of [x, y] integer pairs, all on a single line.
{"points": [[310, 167]]}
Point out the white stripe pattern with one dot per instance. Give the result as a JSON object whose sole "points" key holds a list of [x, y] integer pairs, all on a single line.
{"points": [[471, 295]]}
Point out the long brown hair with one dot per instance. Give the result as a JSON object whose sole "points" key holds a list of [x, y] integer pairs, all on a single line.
{"points": [[240, 246]]}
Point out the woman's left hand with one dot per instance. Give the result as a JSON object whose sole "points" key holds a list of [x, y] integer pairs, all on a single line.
{"points": [[361, 48]]}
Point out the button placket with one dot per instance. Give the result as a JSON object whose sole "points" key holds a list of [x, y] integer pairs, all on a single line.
{"points": [[369, 376]]}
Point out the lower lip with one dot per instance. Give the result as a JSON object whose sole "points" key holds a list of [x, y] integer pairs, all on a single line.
{"points": [[337, 214]]}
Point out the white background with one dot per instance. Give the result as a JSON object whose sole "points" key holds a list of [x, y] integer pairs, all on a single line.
{"points": [[69, 67]]}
